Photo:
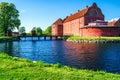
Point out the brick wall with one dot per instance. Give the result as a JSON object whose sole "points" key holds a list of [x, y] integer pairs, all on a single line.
{"points": [[100, 31], [54, 29], [72, 27], [57, 27]]}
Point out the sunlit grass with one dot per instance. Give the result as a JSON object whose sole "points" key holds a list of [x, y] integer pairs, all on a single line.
{"points": [[12, 68], [92, 38]]}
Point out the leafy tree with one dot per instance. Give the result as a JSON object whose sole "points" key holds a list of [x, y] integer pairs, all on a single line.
{"points": [[33, 31], [48, 31], [8, 17], [39, 31], [22, 31]]}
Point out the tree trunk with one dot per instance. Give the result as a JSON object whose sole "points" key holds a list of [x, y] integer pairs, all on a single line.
{"points": [[5, 32]]}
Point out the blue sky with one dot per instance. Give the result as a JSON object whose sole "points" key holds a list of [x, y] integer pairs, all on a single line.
{"points": [[42, 13]]}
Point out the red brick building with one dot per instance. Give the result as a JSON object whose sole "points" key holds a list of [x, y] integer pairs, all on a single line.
{"points": [[57, 27], [86, 22]]}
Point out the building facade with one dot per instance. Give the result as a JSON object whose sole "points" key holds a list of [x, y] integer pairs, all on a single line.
{"points": [[57, 27], [86, 22]]}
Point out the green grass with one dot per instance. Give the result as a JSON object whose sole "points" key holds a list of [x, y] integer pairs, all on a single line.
{"points": [[92, 38], [21, 69], [7, 38]]}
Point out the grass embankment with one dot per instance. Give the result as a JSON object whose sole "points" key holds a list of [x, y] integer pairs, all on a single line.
{"points": [[7, 38], [20, 69], [92, 38]]}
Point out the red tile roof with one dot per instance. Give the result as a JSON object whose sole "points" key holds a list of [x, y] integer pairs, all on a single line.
{"points": [[76, 15], [111, 23], [114, 23]]}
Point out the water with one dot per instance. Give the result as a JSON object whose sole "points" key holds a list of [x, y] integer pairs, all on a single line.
{"points": [[79, 55]]}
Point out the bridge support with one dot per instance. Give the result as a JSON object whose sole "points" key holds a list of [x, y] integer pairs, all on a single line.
{"points": [[56, 37], [50, 37], [44, 37]]}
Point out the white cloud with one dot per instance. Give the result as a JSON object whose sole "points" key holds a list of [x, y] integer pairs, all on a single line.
{"points": [[114, 19]]}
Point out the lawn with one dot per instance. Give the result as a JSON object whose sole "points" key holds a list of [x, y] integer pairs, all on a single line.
{"points": [[92, 38], [13, 68]]}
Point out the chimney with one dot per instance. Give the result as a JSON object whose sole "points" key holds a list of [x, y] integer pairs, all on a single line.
{"points": [[94, 4]]}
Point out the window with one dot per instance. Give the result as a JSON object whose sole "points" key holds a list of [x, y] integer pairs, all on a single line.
{"points": [[91, 14], [97, 14], [91, 20]]}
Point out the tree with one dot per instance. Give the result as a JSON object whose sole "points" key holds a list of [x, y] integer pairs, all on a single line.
{"points": [[33, 31], [22, 31], [39, 31], [8, 17], [48, 31]]}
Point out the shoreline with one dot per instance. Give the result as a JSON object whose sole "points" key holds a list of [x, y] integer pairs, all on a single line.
{"points": [[18, 68], [78, 39], [94, 41]]}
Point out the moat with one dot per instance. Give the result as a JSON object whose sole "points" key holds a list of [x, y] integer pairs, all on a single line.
{"points": [[79, 55]]}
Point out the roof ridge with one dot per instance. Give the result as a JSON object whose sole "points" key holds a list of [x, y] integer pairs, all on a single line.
{"points": [[58, 20], [76, 15]]}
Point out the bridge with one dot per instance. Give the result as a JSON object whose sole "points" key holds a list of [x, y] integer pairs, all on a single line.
{"points": [[51, 37]]}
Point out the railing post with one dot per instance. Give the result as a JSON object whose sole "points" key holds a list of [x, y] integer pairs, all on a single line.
{"points": [[44, 37], [50, 37], [56, 37], [38, 37]]}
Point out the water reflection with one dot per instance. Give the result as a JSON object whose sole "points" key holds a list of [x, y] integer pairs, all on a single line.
{"points": [[93, 56], [6, 47], [83, 56]]}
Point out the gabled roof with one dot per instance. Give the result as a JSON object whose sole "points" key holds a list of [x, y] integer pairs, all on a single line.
{"points": [[58, 21], [78, 14], [114, 23], [111, 23], [117, 22]]}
